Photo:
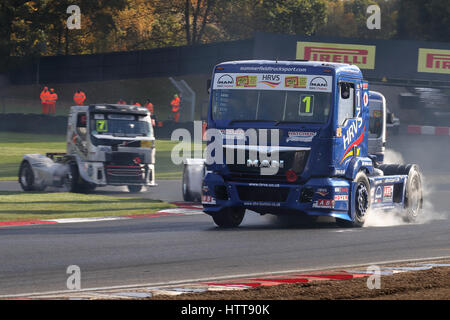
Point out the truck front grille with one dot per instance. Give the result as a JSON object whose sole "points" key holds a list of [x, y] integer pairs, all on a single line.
{"points": [[124, 158], [125, 174], [266, 194], [291, 160]]}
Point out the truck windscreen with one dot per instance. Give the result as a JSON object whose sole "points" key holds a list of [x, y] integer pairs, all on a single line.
{"points": [[119, 125], [271, 105]]}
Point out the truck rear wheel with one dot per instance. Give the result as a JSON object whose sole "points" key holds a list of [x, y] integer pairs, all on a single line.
{"points": [[26, 177], [413, 195], [229, 218], [187, 196], [361, 202]]}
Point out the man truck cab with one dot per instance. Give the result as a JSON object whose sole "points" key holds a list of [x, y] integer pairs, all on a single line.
{"points": [[319, 116]]}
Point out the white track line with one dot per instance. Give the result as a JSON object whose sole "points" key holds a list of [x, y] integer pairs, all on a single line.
{"points": [[94, 219]]}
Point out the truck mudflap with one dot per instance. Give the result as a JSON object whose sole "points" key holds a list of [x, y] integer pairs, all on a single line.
{"points": [[317, 196], [388, 192]]}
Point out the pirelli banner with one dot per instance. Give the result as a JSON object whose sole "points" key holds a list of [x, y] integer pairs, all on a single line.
{"points": [[361, 55], [378, 59], [433, 61]]}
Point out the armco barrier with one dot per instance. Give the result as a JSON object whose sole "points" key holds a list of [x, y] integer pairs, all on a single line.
{"points": [[46, 124], [33, 123]]}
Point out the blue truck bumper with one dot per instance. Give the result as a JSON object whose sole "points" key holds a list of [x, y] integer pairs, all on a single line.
{"points": [[315, 197]]}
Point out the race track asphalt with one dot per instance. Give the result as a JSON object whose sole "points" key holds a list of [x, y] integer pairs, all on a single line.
{"points": [[156, 250]]}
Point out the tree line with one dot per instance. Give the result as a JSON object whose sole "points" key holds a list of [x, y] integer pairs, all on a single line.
{"points": [[38, 28]]}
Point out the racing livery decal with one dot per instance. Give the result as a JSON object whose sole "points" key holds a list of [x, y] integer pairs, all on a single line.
{"points": [[289, 82], [272, 80], [300, 136], [324, 204], [295, 82], [349, 151]]}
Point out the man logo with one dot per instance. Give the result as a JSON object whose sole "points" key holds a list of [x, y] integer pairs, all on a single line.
{"points": [[265, 164], [226, 79], [318, 83]]}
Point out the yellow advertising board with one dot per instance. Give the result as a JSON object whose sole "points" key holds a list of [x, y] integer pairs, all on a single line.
{"points": [[362, 56], [434, 61]]}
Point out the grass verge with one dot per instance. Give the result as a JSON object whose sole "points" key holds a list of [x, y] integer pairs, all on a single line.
{"points": [[31, 206]]}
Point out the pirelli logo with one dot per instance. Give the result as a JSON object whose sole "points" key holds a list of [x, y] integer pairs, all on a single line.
{"points": [[434, 61], [360, 55]]}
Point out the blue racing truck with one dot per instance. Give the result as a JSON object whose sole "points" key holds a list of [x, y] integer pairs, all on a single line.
{"points": [[318, 124]]}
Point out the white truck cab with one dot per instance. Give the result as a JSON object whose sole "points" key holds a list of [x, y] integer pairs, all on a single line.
{"points": [[106, 145]]}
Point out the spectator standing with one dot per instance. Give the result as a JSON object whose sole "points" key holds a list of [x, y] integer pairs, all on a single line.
{"points": [[53, 97], [45, 100], [150, 107], [79, 97], [121, 101], [175, 103]]}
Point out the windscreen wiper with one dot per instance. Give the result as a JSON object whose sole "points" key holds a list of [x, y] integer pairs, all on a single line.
{"points": [[235, 121], [282, 121]]}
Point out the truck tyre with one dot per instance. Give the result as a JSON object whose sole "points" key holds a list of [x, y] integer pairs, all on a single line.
{"points": [[361, 202], [71, 181], [74, 183], [26, 177], [413, 194], [87, 187], [229, 217], [187, 196], [134, 188]]}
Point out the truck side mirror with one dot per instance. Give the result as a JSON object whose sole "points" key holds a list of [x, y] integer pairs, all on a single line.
{"points": [[390, 118], [345, 91], [208, 85]]}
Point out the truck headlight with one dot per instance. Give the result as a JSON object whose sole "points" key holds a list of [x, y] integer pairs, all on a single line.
{"points": [[147, 144]]}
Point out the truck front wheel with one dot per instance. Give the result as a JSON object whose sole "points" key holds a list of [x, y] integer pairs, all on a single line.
{"points": [[229, 218], [72, 178], [361, 202]]}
